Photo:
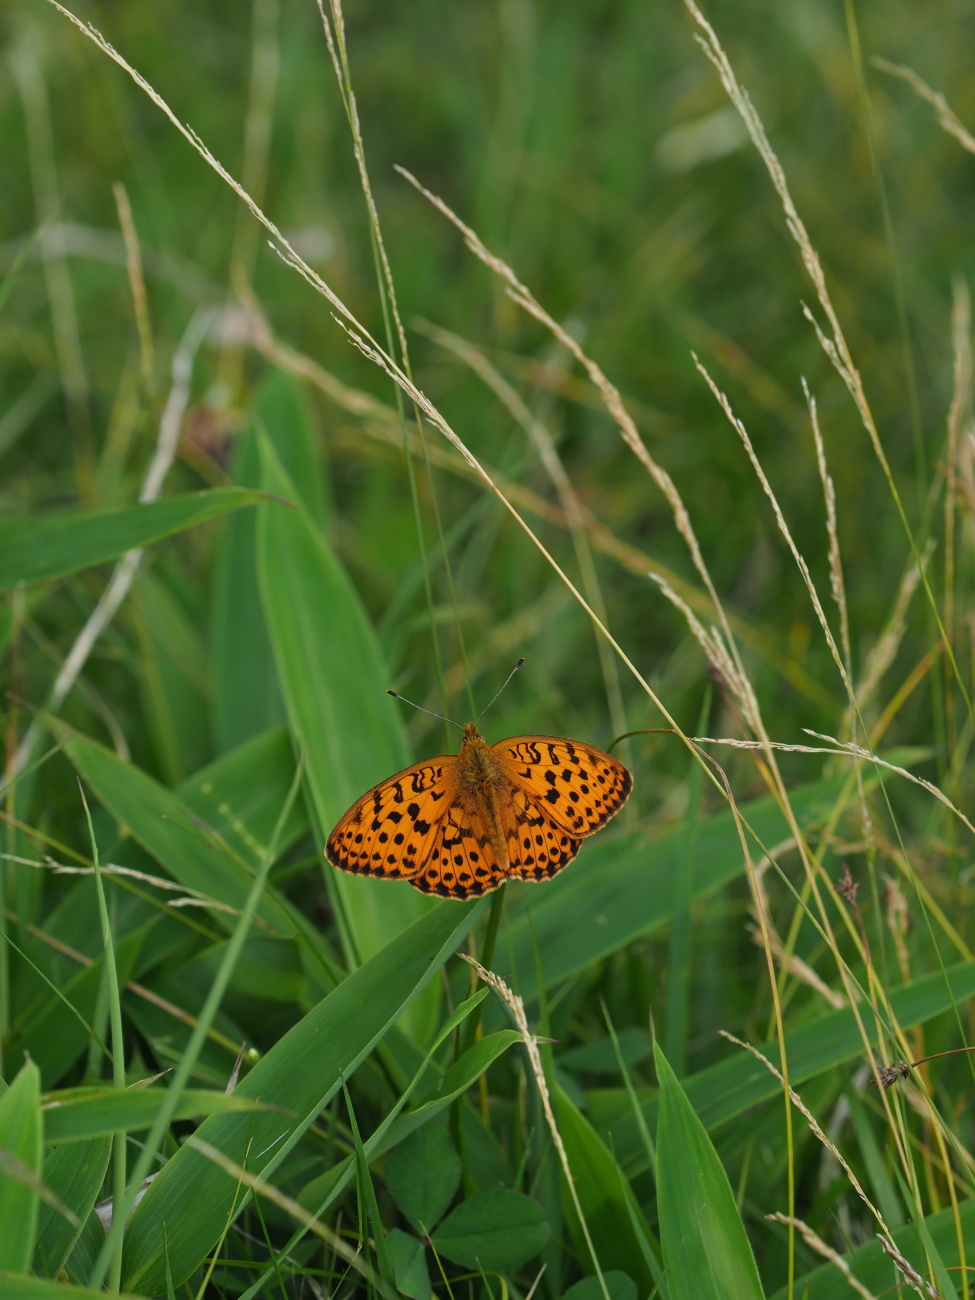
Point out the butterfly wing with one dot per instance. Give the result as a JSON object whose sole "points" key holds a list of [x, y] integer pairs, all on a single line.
{"points": [[461, 861], [538, 848], [390, 830], [578, 788]]}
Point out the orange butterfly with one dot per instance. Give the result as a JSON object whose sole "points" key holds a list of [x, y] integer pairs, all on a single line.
{"points": [[462, 824]]}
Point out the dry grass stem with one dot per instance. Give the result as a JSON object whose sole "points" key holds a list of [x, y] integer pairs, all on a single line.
{"points": [[888, 643], [813, 1123], [946, 118], [834, 342], [760, 474], [847, 748], [517, 1007], [137, 285], [911, 1276], [816, 1243], [837, 585]]}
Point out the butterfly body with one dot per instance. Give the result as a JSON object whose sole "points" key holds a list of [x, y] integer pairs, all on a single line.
{"points": [[460, 825]]}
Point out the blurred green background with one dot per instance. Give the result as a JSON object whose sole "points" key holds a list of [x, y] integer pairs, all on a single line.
{"points": [[593, 147]]}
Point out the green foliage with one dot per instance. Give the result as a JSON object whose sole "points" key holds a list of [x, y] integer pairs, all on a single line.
{"points": [[494, 1230], [422, 1175], [408, 1258], [619, 1286]]}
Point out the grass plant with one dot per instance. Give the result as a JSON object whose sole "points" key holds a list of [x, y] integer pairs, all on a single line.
{"points": [[350, 351]]}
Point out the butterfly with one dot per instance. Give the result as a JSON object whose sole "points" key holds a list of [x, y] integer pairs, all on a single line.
{"points": [[460, 825]]}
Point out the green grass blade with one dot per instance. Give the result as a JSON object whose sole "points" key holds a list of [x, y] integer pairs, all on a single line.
{"points": [[191, 1052], [247, 697], [74, 1173], [16, 1286], [610, 1208], [20, 1150], [162, 824], [80, 1114], [240, 795], [39, 547], [118, 1046], [707, 1255], [334, 683]]}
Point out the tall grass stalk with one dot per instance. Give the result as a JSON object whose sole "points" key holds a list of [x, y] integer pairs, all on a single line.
{"points": [[118, 1043]]}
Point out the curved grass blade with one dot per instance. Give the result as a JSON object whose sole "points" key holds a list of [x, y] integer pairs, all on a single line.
{"points": [[707, 1255], [43, 546]]}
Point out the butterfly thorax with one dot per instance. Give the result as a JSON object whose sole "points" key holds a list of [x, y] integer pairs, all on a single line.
{"points": [[480, 778], [478, 769]]}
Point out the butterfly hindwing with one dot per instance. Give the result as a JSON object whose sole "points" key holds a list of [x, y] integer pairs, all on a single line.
{"points": [[579, 787], [537, 848], [388, 832], [461, 862]]}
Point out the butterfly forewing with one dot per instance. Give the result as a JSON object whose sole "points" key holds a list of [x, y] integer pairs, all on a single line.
{"points": [[579, 787], [390, 831]]}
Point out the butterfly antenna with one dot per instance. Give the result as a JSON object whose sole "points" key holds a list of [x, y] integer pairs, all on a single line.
{"points": [[396, 696], [506, 681]]}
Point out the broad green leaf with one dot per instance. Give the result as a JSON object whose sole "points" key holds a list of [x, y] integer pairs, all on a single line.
{"points": [[724, 1090], [162, 824], [493, 1230], [78, 1113], [18, 1286], [299, 1074], [246, 693], [173, 679], [74, 1173], [874, 1268], [52, 544], [423, 1174], [335, 685], [409, 1260], [612, 1213], [284, 413], [619, 1286], [707, 1255], [20, 1164], [622, 887], [241, 794]]}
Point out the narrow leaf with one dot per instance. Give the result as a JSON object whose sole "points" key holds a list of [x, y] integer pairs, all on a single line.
{"points": [[707, 1255], [51, 545], [20, 1148]]}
